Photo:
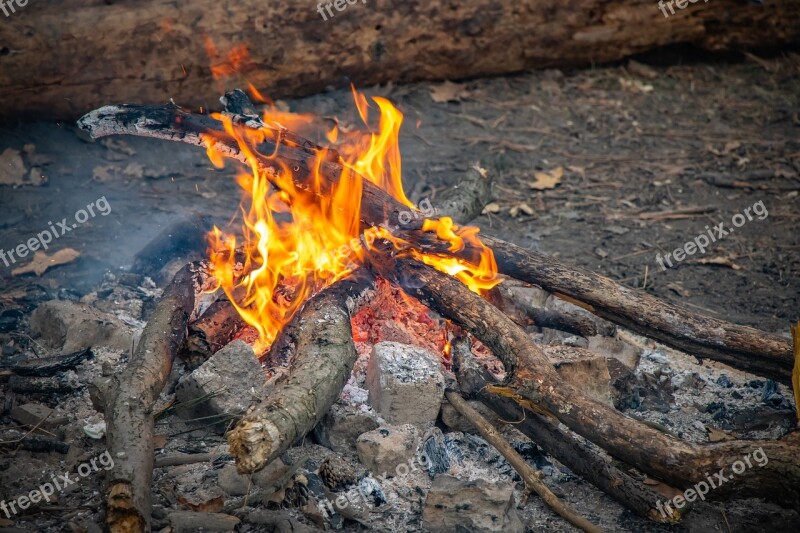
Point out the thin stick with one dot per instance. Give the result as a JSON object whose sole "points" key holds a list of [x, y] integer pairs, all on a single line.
{"points": [[531, 477]]}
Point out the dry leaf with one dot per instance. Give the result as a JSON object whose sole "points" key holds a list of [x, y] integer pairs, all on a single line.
{"points": [[448, 92], [105, 173], [491, 208], [12, 168], [520, 208], [547, 180], [719, 261], [117, 145], [41, 261], [213, 505], [716, 435]]}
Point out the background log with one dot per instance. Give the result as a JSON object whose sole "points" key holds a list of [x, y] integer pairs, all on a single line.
{"points": [[61, 58]]}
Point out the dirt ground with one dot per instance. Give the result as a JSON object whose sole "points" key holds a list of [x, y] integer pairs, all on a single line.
{"points": [[639, 161]]}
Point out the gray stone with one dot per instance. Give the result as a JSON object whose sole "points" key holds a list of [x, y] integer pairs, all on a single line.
{"points": [[475, 506], [383, 450], [268, 477], [405, 383], [191, 522], [233, 482], [226, 385], [68, 326], [36, 415], [342, 424]]}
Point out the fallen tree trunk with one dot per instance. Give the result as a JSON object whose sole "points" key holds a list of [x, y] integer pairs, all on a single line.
{"points": [[323, 355], [61, 58], [128, 398], [739, 346], [532, 381]]}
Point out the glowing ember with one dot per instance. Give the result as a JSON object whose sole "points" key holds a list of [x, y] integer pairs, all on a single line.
{"points": [[295, 242]]}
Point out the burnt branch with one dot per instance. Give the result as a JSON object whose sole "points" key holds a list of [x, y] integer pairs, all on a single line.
{"points": [[321, 356]]}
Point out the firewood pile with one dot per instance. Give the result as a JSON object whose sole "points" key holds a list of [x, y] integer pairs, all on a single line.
{"points": [[543, 364]]}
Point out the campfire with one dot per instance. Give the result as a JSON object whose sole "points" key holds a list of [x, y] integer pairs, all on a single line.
{"points": [[327, 230]]}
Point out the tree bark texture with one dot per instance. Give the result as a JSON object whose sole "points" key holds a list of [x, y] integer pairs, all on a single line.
{"points": [[61, 58]]}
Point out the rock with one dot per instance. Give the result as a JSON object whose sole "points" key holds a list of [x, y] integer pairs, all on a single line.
{"points": [[383, 450], [191, 522], [475, 506], [67, 326], [405, 384], [36, 415], [233, 482], [342, 424], [223, 386], [724, 381], [583, 369], [268, 477]]}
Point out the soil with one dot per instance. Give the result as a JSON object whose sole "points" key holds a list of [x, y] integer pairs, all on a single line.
{"points": [[651, 157]]}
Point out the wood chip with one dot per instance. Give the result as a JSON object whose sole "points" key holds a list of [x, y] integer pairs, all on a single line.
{"points": [[12, 168], [719, 261], [41, 261], [521, 208], [716, 435], [491, 208]]}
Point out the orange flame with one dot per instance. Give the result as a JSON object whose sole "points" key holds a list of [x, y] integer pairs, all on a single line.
{"points": [[294, 242]]}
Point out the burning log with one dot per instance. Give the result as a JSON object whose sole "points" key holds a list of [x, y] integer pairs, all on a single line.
{"points": [[321, 340], [128, 398], [61, 73], [214, 329], [533, 383], [742, 347], [576, 455], [467, 199]]}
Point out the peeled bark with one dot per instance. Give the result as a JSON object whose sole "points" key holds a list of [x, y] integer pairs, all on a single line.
{"points": [[62, 58]]}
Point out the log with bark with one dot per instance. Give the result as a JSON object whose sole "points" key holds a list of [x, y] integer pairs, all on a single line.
{"points": [[62, 58], [534, 384], [739, 346], [322, 356], [128, 398]]}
